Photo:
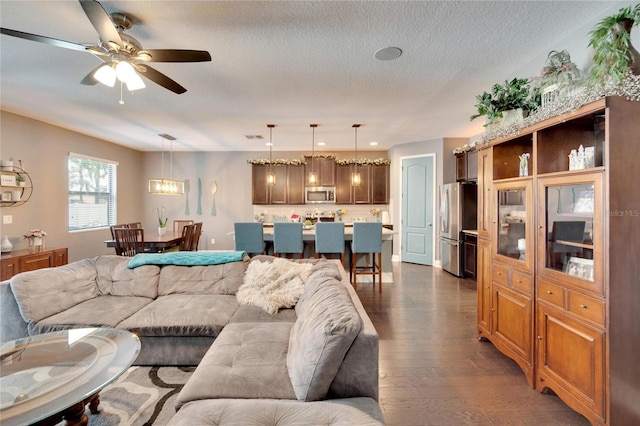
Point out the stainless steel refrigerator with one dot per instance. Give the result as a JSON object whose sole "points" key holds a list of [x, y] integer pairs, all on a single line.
{"points": [[458, 211]]}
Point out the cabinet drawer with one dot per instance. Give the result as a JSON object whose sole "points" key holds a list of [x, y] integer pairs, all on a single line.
{"points": [[500, 274], [521, 281], [551, 293], [586, 307]]}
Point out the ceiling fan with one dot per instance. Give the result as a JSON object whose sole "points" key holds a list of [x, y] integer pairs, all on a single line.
{"points": [[122, 55]]}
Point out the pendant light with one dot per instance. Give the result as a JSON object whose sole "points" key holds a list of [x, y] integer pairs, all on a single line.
{"points": [[355, 177], [313, 176], [164, 186], [271, 177]]}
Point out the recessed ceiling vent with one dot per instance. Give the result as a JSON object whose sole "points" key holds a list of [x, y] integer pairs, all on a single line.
{"points": [[254, 136], [388, 53]]}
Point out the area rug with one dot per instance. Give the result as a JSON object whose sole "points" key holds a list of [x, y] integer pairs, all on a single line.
{"points": [[141, 396]]}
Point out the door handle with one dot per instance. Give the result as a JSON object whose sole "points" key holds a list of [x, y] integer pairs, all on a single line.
{"points": [[428, 224]]}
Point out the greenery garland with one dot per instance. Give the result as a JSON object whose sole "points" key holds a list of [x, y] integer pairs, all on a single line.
{"points": [[294, 162]]}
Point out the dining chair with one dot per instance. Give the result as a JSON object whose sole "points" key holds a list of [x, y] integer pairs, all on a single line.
{"points": [[178, 224], [129, 241], [134, 225], [330, 239], [249, 237], [191, 237], [367, 239], [287, 238], [112, 227]]}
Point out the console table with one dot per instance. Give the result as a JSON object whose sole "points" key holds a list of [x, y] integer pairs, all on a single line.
{"points": [[25, 260]]}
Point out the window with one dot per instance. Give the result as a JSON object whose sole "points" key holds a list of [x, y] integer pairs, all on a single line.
{"points": [[92, 192]]}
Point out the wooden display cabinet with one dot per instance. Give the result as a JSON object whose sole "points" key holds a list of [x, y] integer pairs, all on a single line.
{"points": [[485, 183], [578, 276]]}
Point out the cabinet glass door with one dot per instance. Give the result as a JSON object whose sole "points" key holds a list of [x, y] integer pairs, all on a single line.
{"points": [[571, 229], [513, 224]]}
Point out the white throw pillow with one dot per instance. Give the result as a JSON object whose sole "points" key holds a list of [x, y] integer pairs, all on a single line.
{"points": [[273, 285]]}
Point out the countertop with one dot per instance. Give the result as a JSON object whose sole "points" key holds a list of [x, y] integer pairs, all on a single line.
{"points": [[470, 232]]}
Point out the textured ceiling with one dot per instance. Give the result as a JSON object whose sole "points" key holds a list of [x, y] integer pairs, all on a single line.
{"points": [[292, 64]]}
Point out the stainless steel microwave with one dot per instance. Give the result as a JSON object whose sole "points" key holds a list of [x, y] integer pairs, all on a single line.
{"points": [[319, 194]]}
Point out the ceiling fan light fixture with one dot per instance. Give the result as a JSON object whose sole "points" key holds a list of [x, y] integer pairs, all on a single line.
{"points": [[135, 82], [106, 75], [125, 71]]}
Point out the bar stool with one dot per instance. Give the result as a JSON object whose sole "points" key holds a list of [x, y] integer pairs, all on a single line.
{"points": [[367, 239], [249, 237], [287, 238], [330, 239]]}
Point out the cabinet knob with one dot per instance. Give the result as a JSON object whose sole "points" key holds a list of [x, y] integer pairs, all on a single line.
{"points": [[583, 306], [539, 337], [540, 226], [518, 281], [486, 286], [549, 292], [498, 273]]}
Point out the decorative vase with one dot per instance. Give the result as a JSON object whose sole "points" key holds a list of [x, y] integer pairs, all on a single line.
{"points": [[6, 245], [162, 230], [36, 244], [512, 116], [633, 55]]}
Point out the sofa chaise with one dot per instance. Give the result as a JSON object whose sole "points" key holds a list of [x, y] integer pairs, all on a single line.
{"points": [[312, 363]]}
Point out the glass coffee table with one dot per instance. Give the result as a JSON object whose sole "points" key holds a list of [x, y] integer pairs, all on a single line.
{"points": [[51, 377]]}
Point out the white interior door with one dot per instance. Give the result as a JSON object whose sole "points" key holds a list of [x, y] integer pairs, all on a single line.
{"points": [[418, 186]]}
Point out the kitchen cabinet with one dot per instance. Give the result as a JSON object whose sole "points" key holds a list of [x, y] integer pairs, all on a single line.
{"points": [[25, 260], [288, 189], [373, 189], [564, 295], [469, 255], [467, 166], [325, 169], [344, 189]]}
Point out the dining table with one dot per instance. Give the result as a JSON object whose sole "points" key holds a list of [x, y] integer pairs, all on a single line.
{"points": [[156, 242]]}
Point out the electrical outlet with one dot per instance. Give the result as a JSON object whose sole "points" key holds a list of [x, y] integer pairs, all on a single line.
{"points": [[6, 219], [213, 241]]}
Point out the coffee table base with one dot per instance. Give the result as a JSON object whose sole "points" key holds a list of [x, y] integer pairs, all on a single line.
{"points": [[74, 415]]}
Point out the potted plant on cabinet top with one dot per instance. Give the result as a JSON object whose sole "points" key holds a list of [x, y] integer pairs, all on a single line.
{"points": [[614, 56], [516, 94]]}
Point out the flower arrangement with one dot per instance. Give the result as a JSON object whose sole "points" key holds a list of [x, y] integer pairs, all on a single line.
{"points": [[162, 220], [277, 161], [341, 212], [558, 70], [375, 212], [35, 233]]}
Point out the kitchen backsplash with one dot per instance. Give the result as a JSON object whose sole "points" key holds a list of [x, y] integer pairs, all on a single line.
{"points": [[353, 213]]}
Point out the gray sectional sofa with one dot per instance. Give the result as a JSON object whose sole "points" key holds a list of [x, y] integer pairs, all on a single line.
{"points": [[315, 363]]}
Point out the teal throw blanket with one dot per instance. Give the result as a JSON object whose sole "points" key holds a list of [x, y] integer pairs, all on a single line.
{"points": [[186, 258]]}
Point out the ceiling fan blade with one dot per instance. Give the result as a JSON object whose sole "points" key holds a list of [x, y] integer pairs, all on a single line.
{"points": [[175, 55], [161, 79], [43, 39], [101, 22]]}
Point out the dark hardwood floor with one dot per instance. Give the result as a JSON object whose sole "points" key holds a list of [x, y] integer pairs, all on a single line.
{"points": [[434, 371]]}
